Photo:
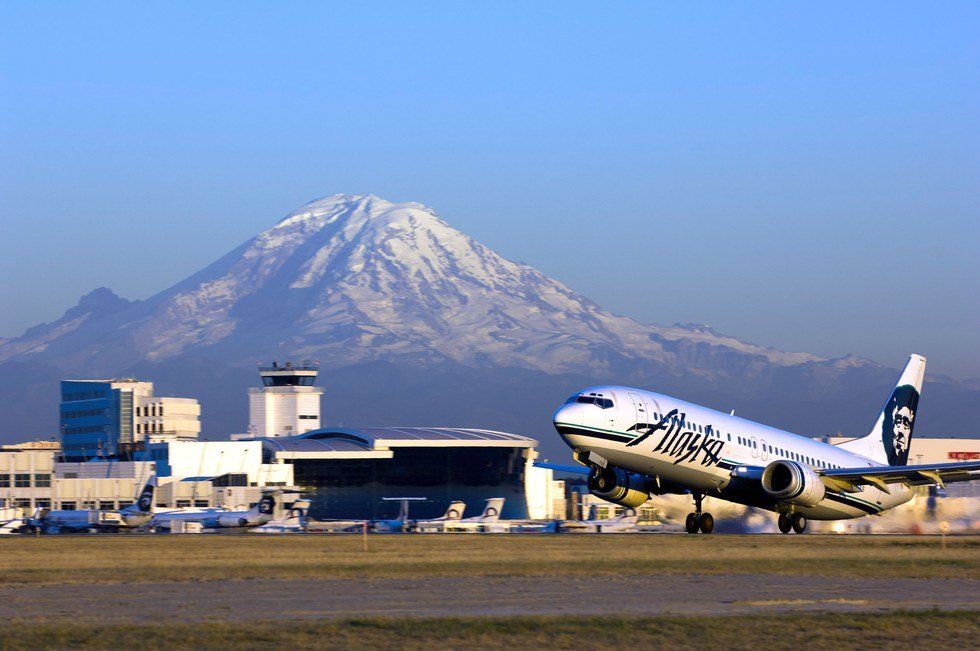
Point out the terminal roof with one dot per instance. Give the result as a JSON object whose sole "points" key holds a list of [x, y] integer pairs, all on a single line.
{"points": [[376, 442]]}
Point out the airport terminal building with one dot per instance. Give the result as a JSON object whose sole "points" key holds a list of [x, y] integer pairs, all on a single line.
{"points": [[346, 471]]}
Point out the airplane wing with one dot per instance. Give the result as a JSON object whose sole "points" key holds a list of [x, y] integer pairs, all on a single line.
{"points": [[920, 475], [575, 470]]}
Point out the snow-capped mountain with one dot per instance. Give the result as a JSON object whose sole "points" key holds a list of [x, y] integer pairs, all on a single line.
{"points": [[362, 284], [350, 279]]}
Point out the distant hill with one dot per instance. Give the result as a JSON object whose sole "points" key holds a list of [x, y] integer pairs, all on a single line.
{"points": [[413, 322]]}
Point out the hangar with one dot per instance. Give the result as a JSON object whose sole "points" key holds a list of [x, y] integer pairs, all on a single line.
{"points": [[346, 471]]}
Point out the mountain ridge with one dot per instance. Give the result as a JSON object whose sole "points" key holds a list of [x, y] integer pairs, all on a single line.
{"points": [[360, 283]]}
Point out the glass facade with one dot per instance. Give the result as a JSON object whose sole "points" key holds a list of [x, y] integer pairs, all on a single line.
{"points": [[89, 419], [353, 488]]}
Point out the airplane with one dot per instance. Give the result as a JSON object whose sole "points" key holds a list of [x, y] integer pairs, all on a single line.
{"points": [[12, 520], [436, 525], [294, 522], [400, 523], [625, 521], [264, 511], [486, 521], [635, 443], [129, 517]]}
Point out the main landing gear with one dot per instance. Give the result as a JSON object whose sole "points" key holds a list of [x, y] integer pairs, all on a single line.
{"points": [[794, 521], [698, 521]]}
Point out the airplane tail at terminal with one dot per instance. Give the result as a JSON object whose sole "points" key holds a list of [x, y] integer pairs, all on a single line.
{"points": [[491, 512], [297, 514], [455, 510], [144, 503], [268, 505], [891, 437]]}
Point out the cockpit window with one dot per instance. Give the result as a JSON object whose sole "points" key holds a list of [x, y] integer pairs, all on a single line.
{"points": [[592, 399]]}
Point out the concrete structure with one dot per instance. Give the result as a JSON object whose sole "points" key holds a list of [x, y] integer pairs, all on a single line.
{"points": [[159, 419], [287, 403], [190, 474], [210, 459], [102, 485], [27, 474], [545, 494], [346, 471], [110, 418]]}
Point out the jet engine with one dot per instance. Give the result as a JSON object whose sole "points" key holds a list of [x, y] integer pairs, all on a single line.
{"points": [[792, 482], [618, 486], [232, 521]]}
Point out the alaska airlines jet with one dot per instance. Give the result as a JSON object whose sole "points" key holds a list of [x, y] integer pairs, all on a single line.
{"points": [[635, 443], [129, 517], [266, 510], [484, 522], [437, 525], [625, 521]]}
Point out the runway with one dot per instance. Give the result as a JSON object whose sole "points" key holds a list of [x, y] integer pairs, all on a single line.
{"points": [[654, 594]]}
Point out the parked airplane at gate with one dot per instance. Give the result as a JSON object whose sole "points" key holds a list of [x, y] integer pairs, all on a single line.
{"points": [[134, 515], [294, 522], [483, 522], [437, 525], [625, 521], [635, 443], [399, 524], [264, 511]]}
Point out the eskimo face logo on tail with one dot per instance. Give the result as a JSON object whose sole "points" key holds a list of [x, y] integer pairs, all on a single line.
{"points": [[145, 502], [266, 504], [897, 424]]}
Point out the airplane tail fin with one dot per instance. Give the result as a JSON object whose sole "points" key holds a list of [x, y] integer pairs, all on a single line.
{"points": [[297, 514], [890, 439], [144, 503], [491, 512], [269, 505], [455, 510]]}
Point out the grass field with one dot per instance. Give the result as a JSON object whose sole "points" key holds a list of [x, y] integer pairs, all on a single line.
{"points": [[924, 630], [133, 559]]}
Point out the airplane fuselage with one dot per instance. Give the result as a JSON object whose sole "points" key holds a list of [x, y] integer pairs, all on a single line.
{"points": [[678, 443]]}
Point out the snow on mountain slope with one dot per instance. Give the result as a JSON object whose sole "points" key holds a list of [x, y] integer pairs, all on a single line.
{"points": [[354, 278], [399, 308]]}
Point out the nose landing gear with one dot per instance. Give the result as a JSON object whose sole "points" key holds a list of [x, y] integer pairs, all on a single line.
{"points": [[794, 521], [698, 521]]}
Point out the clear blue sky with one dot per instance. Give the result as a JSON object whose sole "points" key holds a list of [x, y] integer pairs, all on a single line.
{"points": [[802, 176]]}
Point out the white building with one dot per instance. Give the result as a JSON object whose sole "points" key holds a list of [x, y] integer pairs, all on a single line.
{"points": [[545, 494], [157, 418], [206, 460], [287, 404]]}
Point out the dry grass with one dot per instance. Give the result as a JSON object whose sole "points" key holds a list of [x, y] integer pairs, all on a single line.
{"points": [[134, 559], [921, 630]]}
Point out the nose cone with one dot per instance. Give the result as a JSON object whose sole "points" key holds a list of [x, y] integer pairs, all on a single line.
{"points": [[568, 414]]}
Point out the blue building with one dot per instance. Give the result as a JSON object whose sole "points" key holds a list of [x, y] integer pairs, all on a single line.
{"points": [[113, 418]]}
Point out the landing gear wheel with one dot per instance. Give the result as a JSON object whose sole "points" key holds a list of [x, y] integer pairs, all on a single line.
{"points": [[784, 523], [707, 523], [692, 523], [799, 523]]}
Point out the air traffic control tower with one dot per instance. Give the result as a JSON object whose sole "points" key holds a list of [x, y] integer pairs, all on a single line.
{"points": [[287, 403]]}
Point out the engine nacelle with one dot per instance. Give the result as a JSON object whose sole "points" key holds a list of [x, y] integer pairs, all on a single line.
{"points": [[792, 482], [618, 486], [232, 521]]}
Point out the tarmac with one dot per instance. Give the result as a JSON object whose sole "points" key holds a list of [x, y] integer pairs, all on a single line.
{"points": [[660, 594]]}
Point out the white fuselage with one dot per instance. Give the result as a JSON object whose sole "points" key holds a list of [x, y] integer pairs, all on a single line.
{"points": [[698, 448]]}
